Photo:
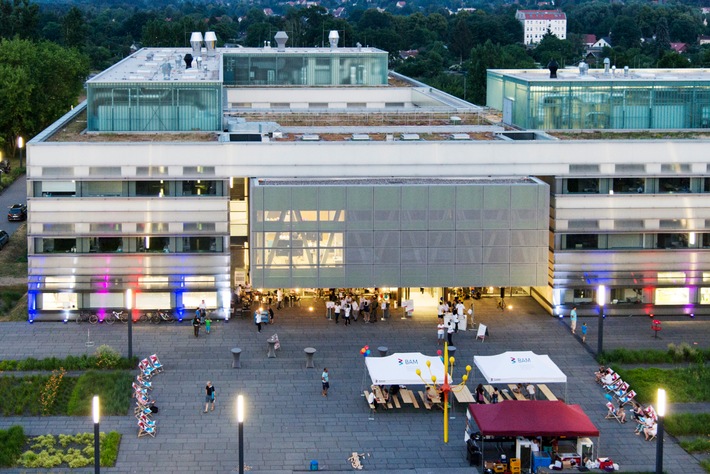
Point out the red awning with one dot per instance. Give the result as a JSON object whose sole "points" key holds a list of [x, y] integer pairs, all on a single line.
{"points": [[532, 418]]}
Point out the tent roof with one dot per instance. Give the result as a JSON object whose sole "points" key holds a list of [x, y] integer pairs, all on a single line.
{"points": [[532, 418], [401, 369], [519, 367]]}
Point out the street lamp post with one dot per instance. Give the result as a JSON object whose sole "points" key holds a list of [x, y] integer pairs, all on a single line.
{"points": [[20, 145], [601, 299], [240, 421], [129, 310], [661, 412], [97, 454]]}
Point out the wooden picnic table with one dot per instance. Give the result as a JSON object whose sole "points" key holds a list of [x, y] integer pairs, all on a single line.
{"points": [[547, 392], [464, 395], [516, 392], [408, 397]]}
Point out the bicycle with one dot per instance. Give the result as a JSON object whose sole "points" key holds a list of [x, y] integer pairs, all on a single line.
{"points": [[116, 316], [86, 316], [161, 317]]}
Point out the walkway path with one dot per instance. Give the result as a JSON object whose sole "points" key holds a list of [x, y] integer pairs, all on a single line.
{"points": [[289, 423]]}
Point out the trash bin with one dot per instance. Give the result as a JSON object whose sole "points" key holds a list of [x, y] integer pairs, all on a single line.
{"points": [[314, 465]]}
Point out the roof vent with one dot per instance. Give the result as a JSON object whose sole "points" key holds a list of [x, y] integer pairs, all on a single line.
{"points": [[310, 138], [280, 37], [210, 42], [333, 38], [410, 136], [196, 42]]}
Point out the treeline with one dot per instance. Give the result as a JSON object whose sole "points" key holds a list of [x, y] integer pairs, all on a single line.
{"points": [[448, 51]]}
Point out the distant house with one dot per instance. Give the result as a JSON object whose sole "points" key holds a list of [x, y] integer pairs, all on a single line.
{"points": [[410, 53], [268, 12], [705, 10], [703, 39], [588, 40], [400, 4], [536, 24], [679, 48], [339, 12]]}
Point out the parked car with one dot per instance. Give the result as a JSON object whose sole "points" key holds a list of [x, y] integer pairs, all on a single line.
{"points": [[17, 212], [4, 238]]}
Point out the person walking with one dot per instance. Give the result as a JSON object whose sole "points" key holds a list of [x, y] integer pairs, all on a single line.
{"points": [[450, 334], [440, 333], [584, 332], [338, 308], [573, 320], [257, 319], [383, 306], [365, 305], [208, 324], [355, 309], [196, 323], [209, 396], [271, 315], [373, 310], [346, 314], [441, 309], [325, 381], [279, 298]]}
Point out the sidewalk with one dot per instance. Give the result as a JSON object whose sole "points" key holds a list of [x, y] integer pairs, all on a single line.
{"points": [[288, 423]]}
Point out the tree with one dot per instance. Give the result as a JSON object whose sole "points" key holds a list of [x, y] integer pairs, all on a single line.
{"points": [[685, 28], [551, 47], [663, 41], [492, 56], [625, 33], [671, 59], [18, 18], [74, 28]]}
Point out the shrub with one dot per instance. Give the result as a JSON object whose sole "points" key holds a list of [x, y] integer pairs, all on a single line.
{"points": [[83, 362], [107, 357], [50, 391], [688, 424], [109, 448], [114, 389], [698, 445], [75, 451], [12, 441]]}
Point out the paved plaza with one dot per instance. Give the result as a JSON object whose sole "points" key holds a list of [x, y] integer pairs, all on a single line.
{"points": [[288, 422]]}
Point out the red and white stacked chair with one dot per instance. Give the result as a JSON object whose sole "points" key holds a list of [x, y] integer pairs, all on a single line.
{"points": [[145, 407]]}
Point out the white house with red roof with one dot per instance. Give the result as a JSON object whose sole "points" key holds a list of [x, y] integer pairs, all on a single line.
{"points": [[536, 23]]}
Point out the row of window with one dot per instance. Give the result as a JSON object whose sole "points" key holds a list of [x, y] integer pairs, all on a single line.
{"points": [[687, 240], [158, 188], [130, 245], [657, 296], [636, 185]]}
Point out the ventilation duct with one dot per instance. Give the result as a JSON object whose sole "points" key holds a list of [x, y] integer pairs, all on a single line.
{"points": [[281, 38], [210, 42], [333, 38], [196, 42]]}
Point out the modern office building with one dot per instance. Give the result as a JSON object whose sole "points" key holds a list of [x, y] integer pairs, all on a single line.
{"points": [[537, 23], [316, 168]]}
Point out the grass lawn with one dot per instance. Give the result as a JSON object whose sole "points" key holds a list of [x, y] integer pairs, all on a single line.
{"points": [[683, 385]]}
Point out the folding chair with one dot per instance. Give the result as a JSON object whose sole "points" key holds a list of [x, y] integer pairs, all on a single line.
{"points": [[651, 413], [627, 397], [138, 389], [149, 423], [621, 390], [144, 430], [612, 413], [156, 363], [614, 385], [144, 383], [146, 369], [142, 410]]}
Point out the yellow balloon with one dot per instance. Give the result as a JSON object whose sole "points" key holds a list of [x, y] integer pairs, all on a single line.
{"points": [[451, 360], [428, 363], [468, 368], [464, 377], [433, 378], [419, 372]]}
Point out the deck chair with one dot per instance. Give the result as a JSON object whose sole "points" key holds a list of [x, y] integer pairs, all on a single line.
{"points": [[145, 430], [144, 418], [144, 383], [614, 385], [156, 363], [142, 410], [138, 389], [651, 413], [146, 369], [627, 397], [621, 390], [612, 413]]}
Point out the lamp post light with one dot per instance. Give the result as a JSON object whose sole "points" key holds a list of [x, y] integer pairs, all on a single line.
{"points": [[20, 145], [240, 421], [601, 299], [97, 454], [661, 412], [129, 310]]}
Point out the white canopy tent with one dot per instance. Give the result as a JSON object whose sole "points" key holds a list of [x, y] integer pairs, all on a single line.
{"points": [[401, 369], [520, 367]]}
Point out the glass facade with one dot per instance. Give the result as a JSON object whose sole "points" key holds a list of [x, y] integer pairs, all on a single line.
{"points": [[153, 107], [314, 68], [433, 233], [558, 104]]}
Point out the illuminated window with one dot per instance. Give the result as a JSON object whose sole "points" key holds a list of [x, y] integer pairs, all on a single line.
{"points": [[671, 278], [672, 296]]}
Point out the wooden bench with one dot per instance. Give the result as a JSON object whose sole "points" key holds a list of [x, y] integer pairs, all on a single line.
{"points": [[395, 399], [547, 392], [426, 403], [464, 395], [516, 393]]}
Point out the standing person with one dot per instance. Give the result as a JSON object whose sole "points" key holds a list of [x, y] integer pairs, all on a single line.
{"points": [[450, 334], [459, 315], [257, 319], [325, 381], [196, 323], [373, 310], [584, 332], [338, 307], [355, 309], [573, 320], [208, 324], [384, 309], [495, 395], [440, 333], [203, 309], [279, 298], [346, 314], [209, 396], [441, 309], [271, 315], [365, 305], [455, 321], [480, 397], [531, 391]]}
